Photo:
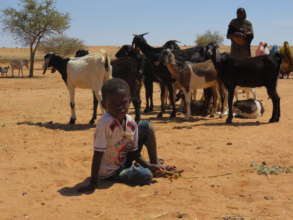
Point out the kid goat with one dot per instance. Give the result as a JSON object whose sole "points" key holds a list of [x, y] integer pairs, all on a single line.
{"points": [[250, 72], [87, 72]]}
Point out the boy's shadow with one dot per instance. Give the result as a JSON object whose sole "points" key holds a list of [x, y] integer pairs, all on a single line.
{"points": [[73, 191], [103, 184]]}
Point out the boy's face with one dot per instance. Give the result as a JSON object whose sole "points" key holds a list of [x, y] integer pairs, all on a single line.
{"points": [[117, 104]]}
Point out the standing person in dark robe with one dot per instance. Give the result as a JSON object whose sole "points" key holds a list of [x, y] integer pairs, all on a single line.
{"points": [[240, 32]]}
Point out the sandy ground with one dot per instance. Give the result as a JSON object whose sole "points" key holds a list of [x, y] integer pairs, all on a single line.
{"points": [[43, 160]]}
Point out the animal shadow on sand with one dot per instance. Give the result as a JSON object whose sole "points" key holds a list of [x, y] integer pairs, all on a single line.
{"points": [[21, 77], [166, 119], [103, 184], [58, 126], [222, 123]]}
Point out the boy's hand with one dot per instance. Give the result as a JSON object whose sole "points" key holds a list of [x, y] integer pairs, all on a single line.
{"points": [[90, 188], [156, 168]]}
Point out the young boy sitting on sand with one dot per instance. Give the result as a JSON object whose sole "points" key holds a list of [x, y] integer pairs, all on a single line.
{"points": [[118, 142]]}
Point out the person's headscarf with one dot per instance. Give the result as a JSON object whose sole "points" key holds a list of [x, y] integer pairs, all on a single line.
{"points": [[274, 49], [286, 52], [242, 10]]}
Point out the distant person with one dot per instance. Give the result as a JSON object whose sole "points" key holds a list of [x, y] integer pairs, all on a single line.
{"points": [[262, 49], [274, 49], [118, 141], [287, 60], [240, 32], [266, 49]]}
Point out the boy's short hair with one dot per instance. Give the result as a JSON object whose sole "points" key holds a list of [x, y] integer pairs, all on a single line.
{"points": [[114, 85]]}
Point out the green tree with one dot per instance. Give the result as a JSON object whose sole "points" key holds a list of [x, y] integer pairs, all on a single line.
{"points": [[209, 37], [61, 45], [33, 22]]}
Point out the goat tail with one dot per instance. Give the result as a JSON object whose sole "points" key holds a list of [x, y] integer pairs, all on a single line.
{"points": [[107, 64]]}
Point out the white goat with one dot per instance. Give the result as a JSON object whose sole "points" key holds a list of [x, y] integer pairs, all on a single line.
{"points": [[87, 72]]}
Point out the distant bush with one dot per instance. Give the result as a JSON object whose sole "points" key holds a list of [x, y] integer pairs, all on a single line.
{"points": [[61, 45], [208, 37]]}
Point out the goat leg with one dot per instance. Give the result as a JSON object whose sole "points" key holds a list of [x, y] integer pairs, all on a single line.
{"points": [[162, 87], [172, 100], [230, 104], [95, 106], [276, 103]]}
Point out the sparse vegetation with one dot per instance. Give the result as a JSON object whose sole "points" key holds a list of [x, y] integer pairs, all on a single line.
{"points": [[264, 169], [61, 45], [209, 37]]}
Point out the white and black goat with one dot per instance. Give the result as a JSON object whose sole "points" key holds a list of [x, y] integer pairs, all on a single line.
{"points": [[87, 72], [249, 72], [249, 108]]}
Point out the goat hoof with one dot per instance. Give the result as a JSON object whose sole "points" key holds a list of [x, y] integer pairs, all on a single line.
{"points": [[147, 110], [160, 115], [272, 120], [92, 121], [173, 115], [72, 121], [229, 121]]}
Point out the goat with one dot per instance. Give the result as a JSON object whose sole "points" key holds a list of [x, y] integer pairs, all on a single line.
{"points": [[18, 64], [248, 72], [191, 76], [81, 53], [4, 70], [148, 69], [87, 72], [250, 108], [129, 68], [160, 72]]}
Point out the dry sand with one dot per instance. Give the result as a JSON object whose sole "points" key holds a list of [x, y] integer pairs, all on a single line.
{"points": [[43, 160]]}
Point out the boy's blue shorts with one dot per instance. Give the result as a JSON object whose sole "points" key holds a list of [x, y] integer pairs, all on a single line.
{"points": [[133, 175]]}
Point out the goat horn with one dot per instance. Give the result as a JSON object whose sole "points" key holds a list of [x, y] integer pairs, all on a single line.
{"points": [[145, 33]]}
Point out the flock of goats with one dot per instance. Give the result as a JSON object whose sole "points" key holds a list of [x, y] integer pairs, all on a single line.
{"points": [[175, 69]]}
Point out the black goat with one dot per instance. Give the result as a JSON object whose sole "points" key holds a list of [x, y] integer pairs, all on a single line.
{"points": [[129, 69], [148, 69], [160, 72], [193, 54], [81, 53], [249, 72]]}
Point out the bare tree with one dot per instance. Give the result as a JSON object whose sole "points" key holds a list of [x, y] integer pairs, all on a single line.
{"points": [[33, 22]]}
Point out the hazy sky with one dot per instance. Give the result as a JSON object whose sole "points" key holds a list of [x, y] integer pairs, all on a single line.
{"points": [[112, 22]]}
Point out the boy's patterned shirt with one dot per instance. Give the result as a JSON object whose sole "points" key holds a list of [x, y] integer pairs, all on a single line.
{"points": [[115, 142]]}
